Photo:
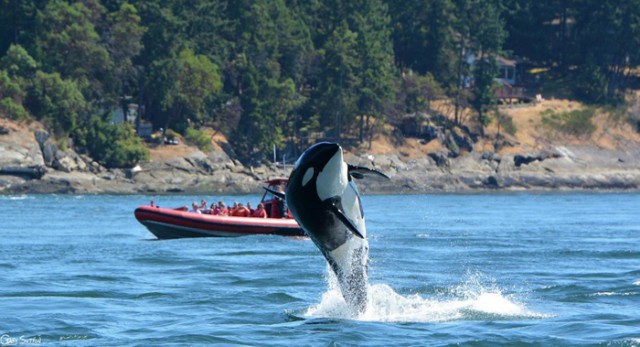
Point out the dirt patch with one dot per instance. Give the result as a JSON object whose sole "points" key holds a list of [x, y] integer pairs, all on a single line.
{"points": [[163, 153], [22, 133]]}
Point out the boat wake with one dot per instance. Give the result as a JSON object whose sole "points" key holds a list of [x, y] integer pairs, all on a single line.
{"points": [[468, 301]]}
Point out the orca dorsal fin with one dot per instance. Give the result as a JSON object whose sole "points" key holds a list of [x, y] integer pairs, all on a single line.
{"points": [[274, 192], [336, 209], [360, 172]]}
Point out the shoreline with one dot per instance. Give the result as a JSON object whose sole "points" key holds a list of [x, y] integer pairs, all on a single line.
{"points": [[187, 170], [464, 175]]}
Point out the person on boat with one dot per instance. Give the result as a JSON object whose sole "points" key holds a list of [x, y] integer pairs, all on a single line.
{"points": [[204, 208], [233, 208], [195, 208], [280, 203], [250, 208], [221, 209], [241, 211], [260, 212]]}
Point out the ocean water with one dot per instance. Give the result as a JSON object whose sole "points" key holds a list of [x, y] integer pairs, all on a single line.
{"points": [[525, 269]]}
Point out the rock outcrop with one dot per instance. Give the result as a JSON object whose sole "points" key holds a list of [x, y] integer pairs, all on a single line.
{"points": [[191, 170]]}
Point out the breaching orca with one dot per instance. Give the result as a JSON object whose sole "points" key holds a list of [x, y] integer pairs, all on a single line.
{"points": [[324, 199]]}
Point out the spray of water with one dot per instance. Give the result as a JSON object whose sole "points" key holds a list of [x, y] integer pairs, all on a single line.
{"points": [[471, 300]]}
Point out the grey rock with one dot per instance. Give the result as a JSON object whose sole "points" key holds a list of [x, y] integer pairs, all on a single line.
{"points": [[41, 137], [49, 151]]}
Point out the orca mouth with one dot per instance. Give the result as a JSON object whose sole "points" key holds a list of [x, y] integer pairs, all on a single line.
{"points": [[318, 154]]}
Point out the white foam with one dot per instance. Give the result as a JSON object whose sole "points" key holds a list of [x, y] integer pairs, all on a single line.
{"points": [[612, 294], [16, 197], [464, 302]]}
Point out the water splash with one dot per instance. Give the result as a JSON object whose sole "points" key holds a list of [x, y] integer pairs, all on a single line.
{"points": [[470, 300]]}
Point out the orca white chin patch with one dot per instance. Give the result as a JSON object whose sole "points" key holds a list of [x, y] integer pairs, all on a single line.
{"points": [[307, 176], [332, 178]]}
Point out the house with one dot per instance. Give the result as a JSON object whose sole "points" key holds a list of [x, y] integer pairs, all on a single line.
{"points": [[506, 69], [510, 88], [119, 115]]}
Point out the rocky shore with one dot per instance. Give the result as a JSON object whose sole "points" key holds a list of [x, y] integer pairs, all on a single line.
{"points": [[566, 167]]}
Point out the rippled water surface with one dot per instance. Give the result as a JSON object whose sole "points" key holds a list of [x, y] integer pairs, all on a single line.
{"points": [[483, 270]]}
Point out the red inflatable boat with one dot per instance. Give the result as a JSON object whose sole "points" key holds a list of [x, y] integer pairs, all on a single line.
{"points": [[166, 223]]}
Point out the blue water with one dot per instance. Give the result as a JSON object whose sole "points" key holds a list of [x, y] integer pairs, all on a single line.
{"points": [[482, 270]]}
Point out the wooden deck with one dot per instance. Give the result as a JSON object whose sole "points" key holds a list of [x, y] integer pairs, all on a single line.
{"points": [[508, 94]]}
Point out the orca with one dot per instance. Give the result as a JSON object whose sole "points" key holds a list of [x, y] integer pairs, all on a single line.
{"points": [[323, 198]]}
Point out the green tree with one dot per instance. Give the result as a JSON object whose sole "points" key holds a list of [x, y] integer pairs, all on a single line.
{"points": [[539, 30], [17, 22], [114, 146], [377, 78], [608, 33], [269, 60], [416, 92], [68, 43], [17, 68], [184, 85], [337, 91], [11, 98], [124, 43], [481, 30], [18, 62], [424, 38], [485, 71], [57, 102]]}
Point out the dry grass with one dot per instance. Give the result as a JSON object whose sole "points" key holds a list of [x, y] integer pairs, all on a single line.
{"points": [[531, 134]]}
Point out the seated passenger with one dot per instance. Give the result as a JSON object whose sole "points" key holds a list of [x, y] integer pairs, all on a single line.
{"points": [[195, 208], [250, 208], [260, 212], [221, 209], [241, 211], [203, 207], [233, 208]]}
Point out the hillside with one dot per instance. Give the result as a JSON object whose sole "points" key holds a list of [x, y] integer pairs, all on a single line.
{"points": [[531, 136], [534, 157]]}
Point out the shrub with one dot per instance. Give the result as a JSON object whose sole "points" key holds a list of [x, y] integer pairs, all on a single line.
{"points": [[506, 123], [57, 101], [114, 146], [12, 110], [198, 138], [576, 122], [11, 96]]}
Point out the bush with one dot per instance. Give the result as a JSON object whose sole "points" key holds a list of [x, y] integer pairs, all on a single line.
{"points": [[114, 146], [56, 101], [12, 110], [576, 122], [198, 138], [11, 96], [506, 123]]}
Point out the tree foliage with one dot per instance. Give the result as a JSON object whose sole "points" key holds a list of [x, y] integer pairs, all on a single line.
{"points": [[283, 72], [112, 145]]}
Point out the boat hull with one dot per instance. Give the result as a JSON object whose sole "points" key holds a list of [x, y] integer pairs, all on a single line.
{"points": [[173, 224]]}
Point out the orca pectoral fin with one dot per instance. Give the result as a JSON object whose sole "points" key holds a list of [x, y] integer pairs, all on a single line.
{"points": [[274, 192], [337, 210], [360, 172]]}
